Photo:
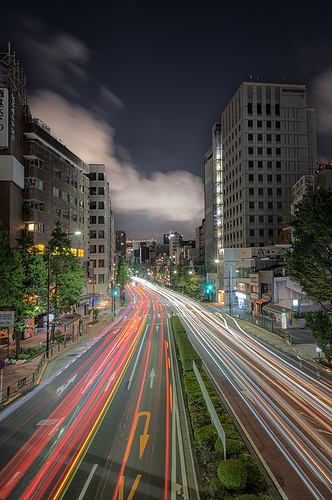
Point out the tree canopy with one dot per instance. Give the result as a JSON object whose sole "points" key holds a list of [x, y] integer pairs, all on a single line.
{"points": [[309, 262]]}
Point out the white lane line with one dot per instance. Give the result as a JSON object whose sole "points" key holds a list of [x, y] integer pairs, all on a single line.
{"points": [[87, 482], [139, 350]]}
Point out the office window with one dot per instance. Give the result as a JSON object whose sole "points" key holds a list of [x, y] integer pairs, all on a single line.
{"points": [[101, 234], [101, 219], [57, 174], [250, 108], [260, 205], [259, 123], [261, 232], [269, 151], [101, 191], [268, 137], [260, 192], [260, 151], [251, 219], [74, 183], [101, 176], [278, 151], [92, 176], [250, 151], [81, 220], [251, 191], [101, 263], [261, 219], [269, 178], [101, 278], [93, 219], [269, 191], [101, 249], [250, 123], [251, 164], [277, 138], [251, 205], [250, 137], [269, 164], [65, 196], [260, 178], [93, 205], [268, 108], [74, 217], [92, 248], [278, 178], [93, 190], [268, 124], [260, 137], [259, 108], [278, 125], [278, 164], [277, 109], [260, 164], [65, 215], [279, 203], [93, 234], [252, 232], [251, 178], [279, 193], [101, 205], [270, 232]]}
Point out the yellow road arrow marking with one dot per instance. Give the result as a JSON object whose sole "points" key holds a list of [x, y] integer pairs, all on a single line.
{"points": [[143, 438]]}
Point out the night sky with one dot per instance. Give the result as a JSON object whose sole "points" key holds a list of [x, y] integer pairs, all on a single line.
{"points": [[138, 85]]}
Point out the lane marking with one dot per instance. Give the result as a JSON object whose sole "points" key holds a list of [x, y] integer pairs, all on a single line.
{"points": [[87, 482]]}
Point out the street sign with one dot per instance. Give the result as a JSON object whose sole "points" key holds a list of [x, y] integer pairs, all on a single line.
{"points": [[2, 364], [7, 319]]}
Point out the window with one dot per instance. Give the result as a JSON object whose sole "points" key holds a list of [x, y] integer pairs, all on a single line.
{"points": [[252, 232], [278, 178], [259, 124], [260, 178], [260, 137], [260, 205], [93, 219], [101, 190], [74, 218], [101, 263], [270, 232], [270, 219], [250, 123], [57, 174], [251, 178], [260, 164], [250, 151], [101, 234], [279, 193], [65, 215], [251, 219], [268, 108], [93, 191], [278, 164], [101, 219], [278, 151], [269, 178], [278, 125], [73, 200], [269, 164], [93, 234], [65, 196], [277, 138], [93, 205], [101, 176], [250, 137], [261, 232], [81, 188], [269, 191], [81, 203], [74, 183], [101, 249], [261, 219], [279, 203], [101, 278], [57, 212], [92, 176], [251, 164], [250, 108], [268, 124], [270, 205], [260, 151], [259, 108], [260, 192], [251, 191], [268, 137], [101, 205], [92, 248], [65, 178], [269, 151], [251, 205], [56, 192], [81, 220], [277, 109]]}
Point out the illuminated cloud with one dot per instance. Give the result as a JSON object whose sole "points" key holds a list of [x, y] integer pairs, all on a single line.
{"points": [[172, 196]]}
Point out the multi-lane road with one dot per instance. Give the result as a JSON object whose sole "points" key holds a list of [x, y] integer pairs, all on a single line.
{"points": [[107, 424]]}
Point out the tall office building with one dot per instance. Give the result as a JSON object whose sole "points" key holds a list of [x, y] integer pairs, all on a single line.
{"points": [[268, 143], [101, 238]]}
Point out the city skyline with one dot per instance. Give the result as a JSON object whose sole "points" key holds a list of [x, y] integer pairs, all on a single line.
{"points": [[140, 90]]}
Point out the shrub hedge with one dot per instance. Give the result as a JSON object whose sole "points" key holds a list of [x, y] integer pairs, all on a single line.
{"points": [[237, 478]]}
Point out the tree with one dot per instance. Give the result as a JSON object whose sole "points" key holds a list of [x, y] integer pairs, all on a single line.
{"points": [[309, 260], [66, 274], [122, 277]]}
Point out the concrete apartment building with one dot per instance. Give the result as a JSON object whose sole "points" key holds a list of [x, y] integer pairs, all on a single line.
{"points": [[101, 241]]}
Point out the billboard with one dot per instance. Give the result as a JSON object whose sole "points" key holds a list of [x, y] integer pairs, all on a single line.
{"points": [[3, 118]]}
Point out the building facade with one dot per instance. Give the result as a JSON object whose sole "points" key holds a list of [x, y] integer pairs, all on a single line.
{"points": [[101, 269]]}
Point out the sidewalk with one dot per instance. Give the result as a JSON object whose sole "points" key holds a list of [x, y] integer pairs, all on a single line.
{"points": [[22, 376]]}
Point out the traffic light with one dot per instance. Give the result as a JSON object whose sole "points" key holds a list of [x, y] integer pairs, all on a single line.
{"points": [[115, 292]]}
